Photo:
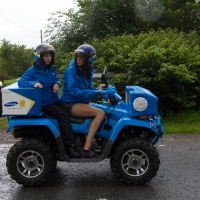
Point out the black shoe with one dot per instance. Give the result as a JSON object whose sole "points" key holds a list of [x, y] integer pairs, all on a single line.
{"points": [[90, 153], [73, 152]]}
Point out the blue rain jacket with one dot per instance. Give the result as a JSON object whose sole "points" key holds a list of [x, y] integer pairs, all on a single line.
{"points": [[37, 73], [76, 88]]}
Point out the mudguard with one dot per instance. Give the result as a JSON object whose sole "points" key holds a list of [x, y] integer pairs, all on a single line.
{"points": [[51, 123], [126, 121]]}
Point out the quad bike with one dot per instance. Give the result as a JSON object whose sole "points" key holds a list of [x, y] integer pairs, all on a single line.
{"points": [[126, 136]]}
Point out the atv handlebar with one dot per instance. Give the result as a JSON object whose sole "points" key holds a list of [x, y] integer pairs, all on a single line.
{"points": [[111, 93]]}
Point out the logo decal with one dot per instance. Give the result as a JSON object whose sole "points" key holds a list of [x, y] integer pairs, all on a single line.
{"points": [[22, 103], [13, 103]]}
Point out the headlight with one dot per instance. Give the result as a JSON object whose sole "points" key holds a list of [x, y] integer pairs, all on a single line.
{"points": [[140, 104]]}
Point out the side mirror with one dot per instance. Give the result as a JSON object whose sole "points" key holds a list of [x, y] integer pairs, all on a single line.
{"points": [[103, 76], [105, 70]]}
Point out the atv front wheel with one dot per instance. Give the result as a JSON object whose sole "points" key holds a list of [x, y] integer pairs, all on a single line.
{"points": [[135, 161], [30, 162]]}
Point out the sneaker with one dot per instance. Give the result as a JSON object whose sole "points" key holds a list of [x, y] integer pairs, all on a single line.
{"points": [[89, 153], [72, 151]]}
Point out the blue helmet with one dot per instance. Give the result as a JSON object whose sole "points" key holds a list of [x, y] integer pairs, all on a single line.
{"points": [[42, 49], [88, 51]]}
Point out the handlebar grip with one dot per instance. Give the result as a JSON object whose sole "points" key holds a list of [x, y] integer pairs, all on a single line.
{"points": [[103, 92]]}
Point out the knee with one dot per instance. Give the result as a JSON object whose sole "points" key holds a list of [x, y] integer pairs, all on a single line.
{"points": [[101, 114]]}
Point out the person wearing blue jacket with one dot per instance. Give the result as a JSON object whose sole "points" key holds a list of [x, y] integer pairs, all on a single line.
{"points": [[42, 74], [78, 91]]}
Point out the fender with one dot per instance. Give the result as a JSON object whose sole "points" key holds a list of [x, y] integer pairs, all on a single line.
{"points": [[51, 123], [23, 121], [126, 121]]}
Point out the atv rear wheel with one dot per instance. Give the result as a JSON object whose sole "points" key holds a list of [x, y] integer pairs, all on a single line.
{"points": [[30, 162], [135, 161]]}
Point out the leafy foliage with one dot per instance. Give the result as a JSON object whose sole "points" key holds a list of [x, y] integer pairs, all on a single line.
{"points": [[165, 62], [100, 18], [14, 59]]}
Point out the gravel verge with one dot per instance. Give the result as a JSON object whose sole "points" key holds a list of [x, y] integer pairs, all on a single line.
{"points": [[7, 138]]}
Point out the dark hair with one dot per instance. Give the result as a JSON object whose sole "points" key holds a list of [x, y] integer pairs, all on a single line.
{"points": [[41, 61], [84, 70]]}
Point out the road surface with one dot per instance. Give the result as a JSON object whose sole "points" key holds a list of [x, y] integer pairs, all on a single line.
{"points": [[178, 177]]}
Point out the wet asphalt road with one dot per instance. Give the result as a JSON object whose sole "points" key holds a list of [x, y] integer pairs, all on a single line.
{"points": [[177, 178]]}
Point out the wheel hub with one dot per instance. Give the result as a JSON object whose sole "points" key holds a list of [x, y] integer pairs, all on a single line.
{"points": [[30, 164], [135, 162]]}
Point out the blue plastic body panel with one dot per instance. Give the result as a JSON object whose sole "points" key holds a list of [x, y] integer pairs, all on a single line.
{"points": [[142, 95], [117, 116], [52, 124]]}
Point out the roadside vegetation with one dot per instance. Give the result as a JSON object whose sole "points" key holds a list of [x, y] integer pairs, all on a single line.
{"points": [[145, 43], [185, 122], [8, 82], [3, 123]]}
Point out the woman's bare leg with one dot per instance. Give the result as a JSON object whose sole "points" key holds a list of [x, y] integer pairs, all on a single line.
{"points": [[84, 110]]}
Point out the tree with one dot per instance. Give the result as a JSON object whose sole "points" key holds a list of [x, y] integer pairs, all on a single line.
{"points": [[15, 59], [99, 18]]}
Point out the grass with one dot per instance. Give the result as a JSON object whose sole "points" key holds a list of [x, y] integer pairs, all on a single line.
{"points": [[188, 122], [8, 82], [3, 123]]}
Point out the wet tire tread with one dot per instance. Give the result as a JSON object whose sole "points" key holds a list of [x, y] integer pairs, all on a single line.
{"points": [[139, 142], [32, 142]]}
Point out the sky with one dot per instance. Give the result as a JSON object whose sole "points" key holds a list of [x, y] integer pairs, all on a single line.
{"points": [[21, 21]]}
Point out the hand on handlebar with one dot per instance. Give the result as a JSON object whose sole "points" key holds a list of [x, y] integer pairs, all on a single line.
{"points": [[109, 91], [102, 86]]}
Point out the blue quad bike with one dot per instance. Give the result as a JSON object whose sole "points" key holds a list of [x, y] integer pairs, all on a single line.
{"points": [[126, 136]]}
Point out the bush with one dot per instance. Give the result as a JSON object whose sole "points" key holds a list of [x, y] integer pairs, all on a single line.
{"points": [[1, 101], [166, 62]]}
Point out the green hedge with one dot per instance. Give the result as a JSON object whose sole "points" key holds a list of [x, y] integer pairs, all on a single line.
{"points": [[166, 62]]}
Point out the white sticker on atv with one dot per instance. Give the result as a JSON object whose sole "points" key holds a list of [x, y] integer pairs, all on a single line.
{"points": [[15, 104]]}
